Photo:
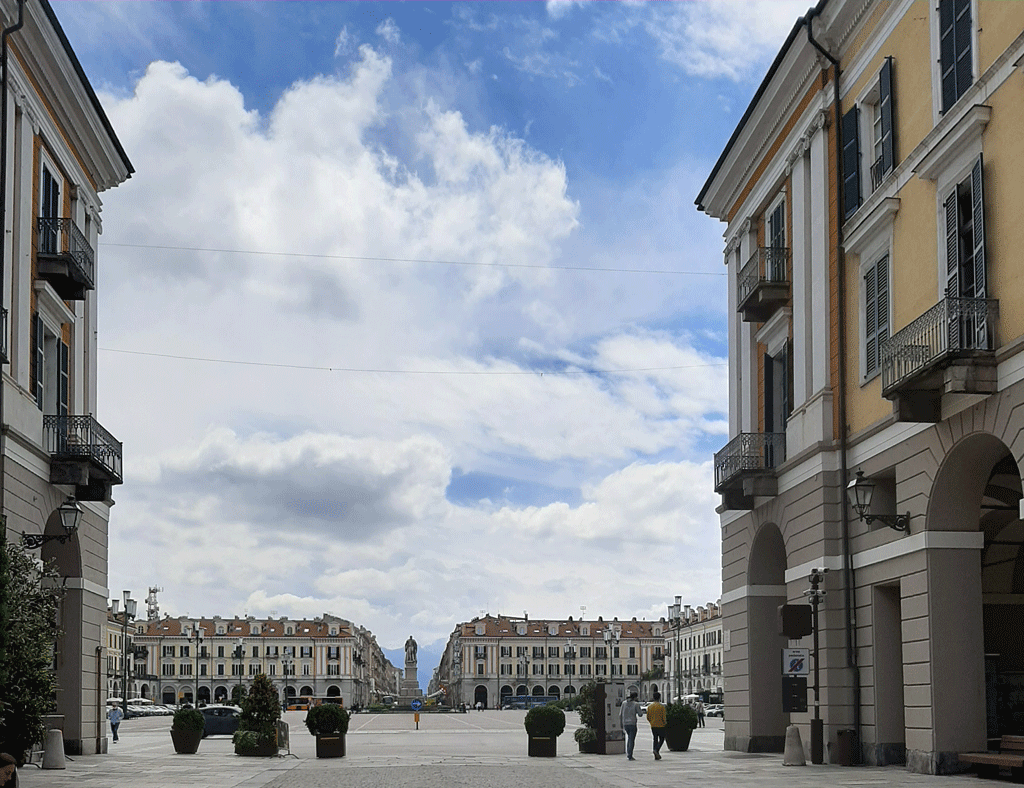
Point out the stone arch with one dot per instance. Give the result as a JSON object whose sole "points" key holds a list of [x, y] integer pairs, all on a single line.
{"points": [[766, 591], [334, 691], [480, 696]]}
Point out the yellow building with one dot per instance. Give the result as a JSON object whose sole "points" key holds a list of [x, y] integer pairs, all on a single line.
{"points": [[876, 328]]}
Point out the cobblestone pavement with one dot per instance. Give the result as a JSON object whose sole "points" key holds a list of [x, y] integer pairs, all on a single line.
{"points": [[479, 749]]}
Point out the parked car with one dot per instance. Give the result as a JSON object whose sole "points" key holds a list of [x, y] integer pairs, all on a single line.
{"points": [[714, 710], [220, 720]]}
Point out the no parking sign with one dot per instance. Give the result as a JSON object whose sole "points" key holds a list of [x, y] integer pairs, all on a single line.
{"points": [[796, 661]]}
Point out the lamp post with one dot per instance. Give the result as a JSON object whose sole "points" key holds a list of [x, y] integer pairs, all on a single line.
{"points": [[240, 656], [197, 638], [70, 512], [287, 665], [611, 639], [675, 618], [128, 614]]}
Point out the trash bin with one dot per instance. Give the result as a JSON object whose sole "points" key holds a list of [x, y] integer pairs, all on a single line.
{"points": [[845, 746]]}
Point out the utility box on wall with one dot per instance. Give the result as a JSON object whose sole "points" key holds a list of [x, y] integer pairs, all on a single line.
{"points": [[611, 738]]}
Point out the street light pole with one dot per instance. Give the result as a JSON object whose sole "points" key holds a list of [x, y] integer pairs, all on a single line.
{"points": [[240, 656], [129, 613], [197, 636]]}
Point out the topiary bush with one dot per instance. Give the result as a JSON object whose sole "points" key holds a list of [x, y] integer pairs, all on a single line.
{"points": [[586, 705], [261, 709], [585, 735], [545, 722], [680, 715], [327, 718], [188, 720]]}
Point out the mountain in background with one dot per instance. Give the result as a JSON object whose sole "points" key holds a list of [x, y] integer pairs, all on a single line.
{"points": [[427, 658]]}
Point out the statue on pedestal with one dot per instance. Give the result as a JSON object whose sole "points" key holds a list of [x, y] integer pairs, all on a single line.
{"points": [[410, 651]]}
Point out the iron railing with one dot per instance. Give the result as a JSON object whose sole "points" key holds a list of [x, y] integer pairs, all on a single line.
{"points": [[766, 264], [954, 325], [3, 336], [749, 451], [878, 173], [61, 237], [82, 437]]}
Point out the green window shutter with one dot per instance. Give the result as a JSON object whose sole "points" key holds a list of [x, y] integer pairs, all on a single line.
{"points": [[978, 221], [65, 369], [885, 108], [870, 321], [38, 360], [851, 162], [955, 56]]}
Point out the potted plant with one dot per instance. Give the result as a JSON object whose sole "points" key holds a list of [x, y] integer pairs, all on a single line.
{"points": [[680, 720], [544, 724], [257, 725], [329, 723], [187, 730], [586, 738]]}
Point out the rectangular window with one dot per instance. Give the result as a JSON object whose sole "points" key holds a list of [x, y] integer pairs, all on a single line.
{"points": [[334, 652], [167, 651], [600, 670], [585, 670], [632, 652], [305, 670], [966, 268], [306, 652], [601, 652], [553, 669], [220, 651], [585, 651], [334, 670], [167, 669], [521, 651], [553, 651], [480, 669], [538, 652], [220, 669], [506, 670], [184, 651], [955, 50], [185, 669], [255, 652], [633, 670], [506, 651], [876, 314], [202, 669], [237, 670]]}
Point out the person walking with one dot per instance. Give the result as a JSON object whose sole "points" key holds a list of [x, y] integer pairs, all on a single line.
{"points": [[700, 714], [656, 715], [115, 715], [627, 716]]}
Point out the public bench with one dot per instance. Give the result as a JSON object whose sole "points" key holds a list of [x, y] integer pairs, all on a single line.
{"points": [[1010, 756]]}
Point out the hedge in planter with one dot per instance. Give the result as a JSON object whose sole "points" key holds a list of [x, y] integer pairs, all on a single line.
{"points": [[329, 723], [257, 725], [544, 724], [586, 738], [680, 719], [187, 730]]}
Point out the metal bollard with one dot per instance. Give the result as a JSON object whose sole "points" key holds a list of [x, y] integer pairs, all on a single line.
{"points": [[53, 750]]}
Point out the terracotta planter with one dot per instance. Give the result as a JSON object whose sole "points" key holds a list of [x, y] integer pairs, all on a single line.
{"points": [[330, 746], [678, 739], [543, 748], [186, 742]]}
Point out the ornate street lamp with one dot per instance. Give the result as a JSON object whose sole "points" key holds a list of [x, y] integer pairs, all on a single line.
{"points": [[240, 656], [860, 492], [675, 618], [70, 512], [611, 639], [197, 638], [130, 608]]}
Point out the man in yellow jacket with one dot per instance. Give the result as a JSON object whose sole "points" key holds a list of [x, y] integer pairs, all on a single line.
{"points": [[656, 716]]}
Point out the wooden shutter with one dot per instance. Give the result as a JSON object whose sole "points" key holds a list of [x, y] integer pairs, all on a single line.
{"points": [[885, 109], [38, 360], [769, 394], [851, 162], [870, 321], [881, 305], [955, 58], [952, 263], [65, 369], [978, 221]]}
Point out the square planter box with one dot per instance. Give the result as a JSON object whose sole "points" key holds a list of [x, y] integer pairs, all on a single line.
{"points": [[543, 748], [330, 746]]}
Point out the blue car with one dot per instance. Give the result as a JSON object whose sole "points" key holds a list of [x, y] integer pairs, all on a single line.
{"points": [[220, 720]]}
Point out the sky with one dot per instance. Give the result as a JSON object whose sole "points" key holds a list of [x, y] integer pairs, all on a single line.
{"points": [[407, 314]]}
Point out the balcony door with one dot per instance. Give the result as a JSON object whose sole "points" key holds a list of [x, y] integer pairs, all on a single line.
{"points": [[775, 265], [777, 405], [966, 268], [49, 212]]}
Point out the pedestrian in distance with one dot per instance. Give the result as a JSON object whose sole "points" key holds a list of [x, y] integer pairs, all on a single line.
{"points": [[700, 714], [656, 715], [115, 715], [627, 716]]}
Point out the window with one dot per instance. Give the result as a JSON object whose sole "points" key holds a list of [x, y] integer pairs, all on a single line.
{"points": [[955, 50], [966, 273], [184, 651], [506, 670], [553, 669], [506, 651], [480, 668], [167, 669], [632, 652], [51, 364], [538, 670], [585, 670], [185, 669], [876, 314], [879, 113], [272, 670], [167, 651], [202, 669], [305, 670], [633, 670], [553, 651], [521, 651], [538, 652], [255, 651], [220, 669], [334, 652], [615, 652], [254, 670], [220, 651], [600, 670], [569, 669], [237, 670], [585, 651], [334, 670], [306, 652], [601, 652]]}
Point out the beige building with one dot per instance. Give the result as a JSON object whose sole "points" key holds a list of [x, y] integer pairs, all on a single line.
{"points": [[871, 195], [325, 657], [495, 657], [59, 153], [694, 651]]}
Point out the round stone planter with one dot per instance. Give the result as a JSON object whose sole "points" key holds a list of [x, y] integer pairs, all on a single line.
{"points": [[186, 742], [543, 748], [678, 739]]}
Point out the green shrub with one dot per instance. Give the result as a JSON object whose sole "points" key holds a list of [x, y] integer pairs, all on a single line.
{"points": [[246, 742], [680, 715], [327, 718], [188, 720], [545, 722], [261, 710], [585, 735], [586, 704]]}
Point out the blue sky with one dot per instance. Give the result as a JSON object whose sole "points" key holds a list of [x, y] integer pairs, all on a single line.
{"points": [[321, 410]]}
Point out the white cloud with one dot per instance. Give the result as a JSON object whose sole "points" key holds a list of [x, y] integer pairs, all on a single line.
{"points": [[345, 44], [389, 31]]}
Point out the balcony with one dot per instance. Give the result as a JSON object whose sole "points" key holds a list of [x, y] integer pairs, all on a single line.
{"points": [[762, 287], [950, 349], [84, 454], [64, 258], [745, 468]]}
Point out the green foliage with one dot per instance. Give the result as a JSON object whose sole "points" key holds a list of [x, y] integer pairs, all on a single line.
{"points": [[261, 709], [545, 722], [378, 707], [237, 694], [327, 718], [246, 742], [188, 720], [680, 715], [657, 672], [585, 735], [30, 595], [586, 704]]}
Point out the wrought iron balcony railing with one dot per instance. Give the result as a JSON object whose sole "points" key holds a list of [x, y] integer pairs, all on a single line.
{"points": [[951, 327], [82, 437], [763, 275], [748, 451], [60, 237], [878, 173]]}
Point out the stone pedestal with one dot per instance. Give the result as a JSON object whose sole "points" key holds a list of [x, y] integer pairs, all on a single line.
{"points": [[410, 688]]}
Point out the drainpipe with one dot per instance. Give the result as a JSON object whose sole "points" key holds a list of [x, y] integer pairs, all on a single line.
{"points": [[849, 578], [3, 217]]}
